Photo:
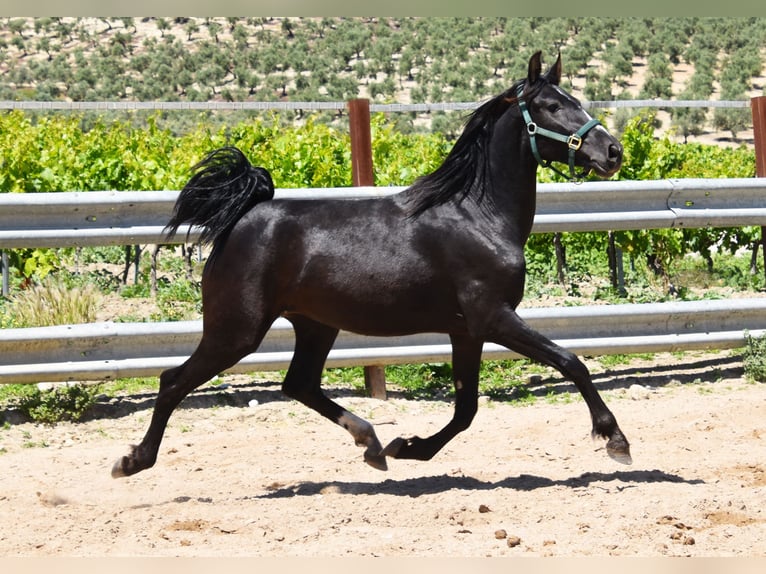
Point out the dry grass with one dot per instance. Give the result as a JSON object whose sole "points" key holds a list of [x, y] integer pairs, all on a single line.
{"points": [[52, 302]]}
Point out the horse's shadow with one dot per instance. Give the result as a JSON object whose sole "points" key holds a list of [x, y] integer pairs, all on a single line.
{"points": [[415, 487]]}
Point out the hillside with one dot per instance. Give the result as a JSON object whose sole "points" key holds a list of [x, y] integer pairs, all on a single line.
{"points": [[388, 60]]}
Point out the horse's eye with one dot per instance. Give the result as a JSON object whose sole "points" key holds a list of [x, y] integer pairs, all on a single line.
{"points": [[553, 108]]}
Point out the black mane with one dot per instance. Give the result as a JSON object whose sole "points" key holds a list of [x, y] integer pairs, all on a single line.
{"points": [[466, 169]]}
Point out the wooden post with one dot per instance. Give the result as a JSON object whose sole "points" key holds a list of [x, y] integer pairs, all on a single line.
{"points": [[362, 175], [758, 106], [361, 143]]}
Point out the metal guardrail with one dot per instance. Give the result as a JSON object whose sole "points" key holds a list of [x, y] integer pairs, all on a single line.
{"points": [[65, 219], [100, 351], [374, 107], [113, 350]]}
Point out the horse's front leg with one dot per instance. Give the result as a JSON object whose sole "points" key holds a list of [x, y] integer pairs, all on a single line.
{"points": [[466, 361], [509, 330]]}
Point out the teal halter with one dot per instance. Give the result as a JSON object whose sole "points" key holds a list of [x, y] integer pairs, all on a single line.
{"points": [[573, 141]]}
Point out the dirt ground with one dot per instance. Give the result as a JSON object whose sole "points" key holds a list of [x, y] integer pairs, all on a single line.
{"points": [[244, 472]]}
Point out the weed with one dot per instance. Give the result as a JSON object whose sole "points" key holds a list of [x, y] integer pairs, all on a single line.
{"points": [[340, 376], [33, 444], [754, 358], [61, 403], [178, 290], [507, 392], [106, 281], [132, 386], [505, 380], [140, 290], [113, 254], [426, 381], [8, 393], [611, 361], [178, 300], [500, 380], [130, 318]]}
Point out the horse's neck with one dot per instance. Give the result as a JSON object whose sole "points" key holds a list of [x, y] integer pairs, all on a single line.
{"points": [[519, 211], [513, 186]]}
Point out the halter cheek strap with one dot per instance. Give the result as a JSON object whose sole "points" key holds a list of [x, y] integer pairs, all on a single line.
{"points": [[573, 141]]}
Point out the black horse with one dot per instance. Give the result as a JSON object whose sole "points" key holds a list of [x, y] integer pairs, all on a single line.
{"points": [[445, 255]]}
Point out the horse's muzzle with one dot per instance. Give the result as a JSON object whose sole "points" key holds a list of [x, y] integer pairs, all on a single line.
{"points": [[610, 163]]}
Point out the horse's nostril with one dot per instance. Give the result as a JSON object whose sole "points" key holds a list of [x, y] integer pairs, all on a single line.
{"points": [[615, 153]]}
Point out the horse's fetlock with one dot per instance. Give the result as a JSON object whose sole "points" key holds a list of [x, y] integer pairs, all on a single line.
{"points": [[604, 424]]}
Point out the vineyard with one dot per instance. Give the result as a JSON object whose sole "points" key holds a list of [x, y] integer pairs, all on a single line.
{"points": [[408, 60]]}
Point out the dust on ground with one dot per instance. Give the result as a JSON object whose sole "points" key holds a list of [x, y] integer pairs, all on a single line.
{"points": [[245, 472]]}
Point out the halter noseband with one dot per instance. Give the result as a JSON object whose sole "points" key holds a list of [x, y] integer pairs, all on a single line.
{"points": [[573, 141]]}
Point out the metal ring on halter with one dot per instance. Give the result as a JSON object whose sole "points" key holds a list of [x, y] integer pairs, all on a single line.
{"points": [[574, 142]]}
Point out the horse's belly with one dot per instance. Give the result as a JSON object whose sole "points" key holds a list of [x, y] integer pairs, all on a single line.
{"points": [[380, 315]]}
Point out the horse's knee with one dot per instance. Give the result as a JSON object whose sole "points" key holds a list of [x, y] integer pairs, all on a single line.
{"points": [[168, 376], [169, 394], [573, 367]]}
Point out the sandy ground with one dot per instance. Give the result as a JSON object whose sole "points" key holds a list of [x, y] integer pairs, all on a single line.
{"points": [[235, 478]]}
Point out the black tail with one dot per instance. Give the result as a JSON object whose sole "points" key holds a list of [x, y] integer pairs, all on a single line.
{"points": [[223, 188]]}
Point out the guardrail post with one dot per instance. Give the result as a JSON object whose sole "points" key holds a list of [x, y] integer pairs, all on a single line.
{"points": [[362, 175], [758, 106]]}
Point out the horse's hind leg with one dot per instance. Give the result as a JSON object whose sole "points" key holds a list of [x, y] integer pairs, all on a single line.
{"points": [[313, 342], [466, 361], [511, 331], [213, 355]]}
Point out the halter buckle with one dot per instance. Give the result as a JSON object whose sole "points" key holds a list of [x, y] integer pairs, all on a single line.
{"points": [[574, 142], [531, 128]]}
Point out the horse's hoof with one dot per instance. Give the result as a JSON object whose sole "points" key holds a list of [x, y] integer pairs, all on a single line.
{"points": [[621, 456], [377, 462], [393, 447], [118, 468], [618, 448]]}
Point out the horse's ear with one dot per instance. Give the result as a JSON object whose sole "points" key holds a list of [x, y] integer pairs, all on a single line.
{"points": [[554, 74], [535, 68]]}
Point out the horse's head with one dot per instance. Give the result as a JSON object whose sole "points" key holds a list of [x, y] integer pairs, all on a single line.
{"points": [[559, 129]]}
